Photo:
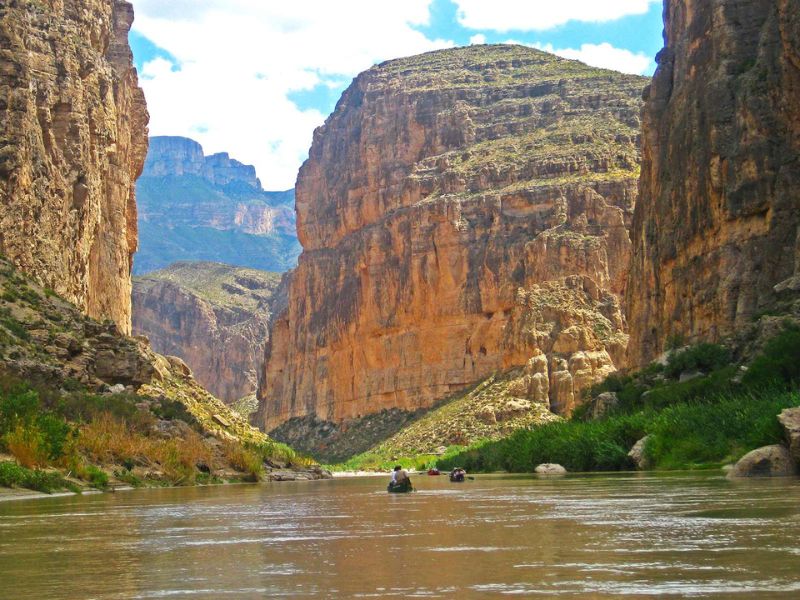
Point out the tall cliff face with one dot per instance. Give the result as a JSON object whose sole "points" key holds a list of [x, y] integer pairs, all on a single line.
{"points": [[461, 212], [210, 208], [213, 316], [716, 233], [73, 138]]}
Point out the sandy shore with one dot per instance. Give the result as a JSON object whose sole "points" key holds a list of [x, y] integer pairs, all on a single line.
{"points": [[339, 474]]}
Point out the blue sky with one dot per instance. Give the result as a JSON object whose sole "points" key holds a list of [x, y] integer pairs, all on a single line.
{"points": [[255, 77]]}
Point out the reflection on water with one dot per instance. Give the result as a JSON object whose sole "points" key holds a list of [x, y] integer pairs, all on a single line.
{"points": [[598, 536]]}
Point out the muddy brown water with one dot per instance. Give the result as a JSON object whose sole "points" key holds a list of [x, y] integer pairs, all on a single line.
{"points": [[595, 536]]}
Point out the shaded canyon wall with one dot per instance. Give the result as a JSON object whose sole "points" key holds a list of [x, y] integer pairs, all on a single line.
{"points": [[716, 232]]}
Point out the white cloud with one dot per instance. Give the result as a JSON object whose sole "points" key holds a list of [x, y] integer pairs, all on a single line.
{"points": [[528, 15], [605, 56], [237, 61], [478, 38]]}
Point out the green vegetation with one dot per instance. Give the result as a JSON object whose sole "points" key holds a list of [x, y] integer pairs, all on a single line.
{"points": [[91, 436], [487, 65], [700, 423], [685, 435], [14, 475]]}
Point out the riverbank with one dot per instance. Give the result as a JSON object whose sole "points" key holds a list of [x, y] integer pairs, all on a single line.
{"points": [[701, 407]]}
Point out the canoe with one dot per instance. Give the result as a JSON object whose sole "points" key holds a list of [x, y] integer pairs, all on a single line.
{"points": [[402, 488]]}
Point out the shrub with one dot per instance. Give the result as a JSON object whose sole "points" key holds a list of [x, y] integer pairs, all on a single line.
{"points": [[702, 357], [27, 445], [170, 410], [13, 475], [697, 434], [8, 321], [779, 363], [244, 459], [578, 446], [106, 439], [96, 478], [128, 477]]}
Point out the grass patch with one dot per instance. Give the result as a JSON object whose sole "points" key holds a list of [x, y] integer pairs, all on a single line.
{"points": [[685, 435], [699, 423], [14, 475]]}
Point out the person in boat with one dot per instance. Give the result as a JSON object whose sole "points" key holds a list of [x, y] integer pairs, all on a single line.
{"points": [[400, 480], [458, 474]]}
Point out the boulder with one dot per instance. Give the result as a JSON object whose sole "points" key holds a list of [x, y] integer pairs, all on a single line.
{"points": [[769, 461], [689, 375], [601, 405], [637, 455], [550, 469], [790, 421]]}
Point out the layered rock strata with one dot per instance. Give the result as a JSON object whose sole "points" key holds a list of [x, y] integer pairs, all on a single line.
{"points": [[462, 212], [215, 317], [73, 139], [198, 207], [716, 233]]}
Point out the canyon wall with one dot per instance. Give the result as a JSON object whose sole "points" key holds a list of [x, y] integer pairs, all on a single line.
{"points": [[73, 138], [210, 208], [716, 232], [213, 316], [461, 212]]}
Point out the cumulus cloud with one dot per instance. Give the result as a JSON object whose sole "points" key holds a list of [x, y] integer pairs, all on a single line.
{"points": [[605, 56], [538, 15], [478, 38], [238, 61]]}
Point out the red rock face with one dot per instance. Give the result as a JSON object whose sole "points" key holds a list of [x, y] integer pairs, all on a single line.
{"points": [[73, 138], [215, 317], [715, 234], [462, 212]]}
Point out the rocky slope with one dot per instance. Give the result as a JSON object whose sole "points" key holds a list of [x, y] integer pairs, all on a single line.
{"points": [[73, 138], [130, 405], [461, 212], [716, 233], [197, 207], [213, 316]]}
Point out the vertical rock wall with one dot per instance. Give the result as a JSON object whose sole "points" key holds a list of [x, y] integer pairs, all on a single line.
{"points": [[73, 139], [716, 232], [462, 212]]}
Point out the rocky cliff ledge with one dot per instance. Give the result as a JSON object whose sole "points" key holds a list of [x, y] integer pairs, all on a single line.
{"points": [[462, 212], [716, 233], [215, 317], [73, 139]]}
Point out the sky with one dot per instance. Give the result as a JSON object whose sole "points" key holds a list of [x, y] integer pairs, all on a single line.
{"points": [[254, 78]]}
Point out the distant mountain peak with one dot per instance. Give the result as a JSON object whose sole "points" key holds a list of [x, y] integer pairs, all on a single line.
{"points": [[175, 155]]}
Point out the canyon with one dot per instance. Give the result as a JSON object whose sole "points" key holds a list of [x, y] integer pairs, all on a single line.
{"points": [[73, 139], [210, 208], [716, 233], [462, 212], [213, 316]]}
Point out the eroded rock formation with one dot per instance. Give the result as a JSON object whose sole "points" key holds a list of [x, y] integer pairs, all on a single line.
{"points": [[462, 212], [73, 138], [211, 208], [716, 232], [215, 317]]}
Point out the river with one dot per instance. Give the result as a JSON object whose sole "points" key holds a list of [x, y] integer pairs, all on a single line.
{"points": [[593, 536]]}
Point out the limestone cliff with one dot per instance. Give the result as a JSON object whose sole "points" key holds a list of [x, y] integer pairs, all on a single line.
{"points": [[210, 208], [462, 212], [716, 233], [73, 139], [213, 316]]}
